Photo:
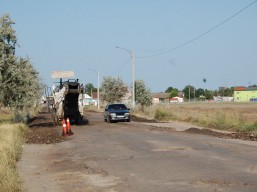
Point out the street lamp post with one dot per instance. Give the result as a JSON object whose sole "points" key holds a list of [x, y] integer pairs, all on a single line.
{"points": [[133, 69], [98, 94], [133, 80]]}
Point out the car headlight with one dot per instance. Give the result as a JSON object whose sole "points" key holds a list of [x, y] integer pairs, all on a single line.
{"points": [[127, 114], [113, 114]]}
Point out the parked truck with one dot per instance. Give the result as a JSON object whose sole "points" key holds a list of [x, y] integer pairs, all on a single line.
{"points": [[67, 101]]}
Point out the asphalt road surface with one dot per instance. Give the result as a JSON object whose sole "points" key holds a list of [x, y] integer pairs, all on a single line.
{"points": [[134, 157]]}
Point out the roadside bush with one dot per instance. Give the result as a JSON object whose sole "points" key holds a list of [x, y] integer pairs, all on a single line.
{"points": [[248, 128], [221, 122], [163, 115]]}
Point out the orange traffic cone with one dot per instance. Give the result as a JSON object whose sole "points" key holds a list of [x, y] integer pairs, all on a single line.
{"points": [[64, 128], [69, 127]]}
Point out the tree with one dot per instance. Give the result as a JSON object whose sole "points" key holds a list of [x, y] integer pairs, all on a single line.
{"points": [[7, 46], [89, 88], [199, 92], [189, 92], [142, 94], [19, 81], [173, 93], [226, 92], [208, 94], [113, 89], [169, 89]]}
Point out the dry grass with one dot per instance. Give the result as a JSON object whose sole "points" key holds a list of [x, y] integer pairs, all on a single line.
{"points": [[225, 116], [11, 141], [6, 115]]}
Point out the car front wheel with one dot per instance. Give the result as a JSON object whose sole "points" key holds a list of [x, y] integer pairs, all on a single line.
{"points": [[109, 120]]}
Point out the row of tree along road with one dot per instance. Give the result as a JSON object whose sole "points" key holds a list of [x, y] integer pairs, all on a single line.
{"points": [[19, 81]]}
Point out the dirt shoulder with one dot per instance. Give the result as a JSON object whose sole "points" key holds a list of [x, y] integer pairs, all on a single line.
{"points": [[187, 127]]}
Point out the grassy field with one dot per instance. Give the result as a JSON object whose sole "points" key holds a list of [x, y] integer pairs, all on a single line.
{"points": [[11, 141], [225, 116]]}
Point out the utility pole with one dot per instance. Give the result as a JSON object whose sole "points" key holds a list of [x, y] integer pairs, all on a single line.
{"points": [[98, 84], [189, 93], [98, 91], [133, 78]]}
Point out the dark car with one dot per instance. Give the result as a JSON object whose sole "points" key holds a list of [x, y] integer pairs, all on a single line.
{"points": [[116, 112]]}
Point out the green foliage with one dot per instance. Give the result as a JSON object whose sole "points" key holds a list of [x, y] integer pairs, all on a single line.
{"points": [[169, 89], [248, 128], [163, 115], [19, 81], [89, 88], [173, 93], [208, 94], [189, 92], [142, 94], [226, 92], [199, 92], [221, 121], [113, 89]]}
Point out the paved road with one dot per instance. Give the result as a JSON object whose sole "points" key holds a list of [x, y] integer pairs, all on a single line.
{"points": [[134, 157]]}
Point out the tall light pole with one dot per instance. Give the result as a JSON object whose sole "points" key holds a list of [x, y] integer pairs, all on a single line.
{"points": [[98, 94], [189, 93], [133, 76]]}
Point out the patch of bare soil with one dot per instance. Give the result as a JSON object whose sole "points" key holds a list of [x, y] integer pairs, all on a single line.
{"points": [[242, 135], [141, 119], [42, 130]]}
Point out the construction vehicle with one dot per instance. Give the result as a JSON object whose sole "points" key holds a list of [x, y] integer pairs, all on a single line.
{"points": [[67, 101]]}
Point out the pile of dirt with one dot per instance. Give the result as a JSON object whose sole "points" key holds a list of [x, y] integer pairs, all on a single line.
{"points": [[236, 135], [143, 120], [42, 130]]}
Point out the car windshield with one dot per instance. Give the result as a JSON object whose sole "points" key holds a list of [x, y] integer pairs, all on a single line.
{"points": [[117, 106]]}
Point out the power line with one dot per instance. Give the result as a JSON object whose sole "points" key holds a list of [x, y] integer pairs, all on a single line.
{"points": [[203, 34], [121, 67]]}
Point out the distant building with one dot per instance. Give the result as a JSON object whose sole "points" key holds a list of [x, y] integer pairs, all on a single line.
{"points": [[176, 100], [88, 100], [165, 98], [160, 98], [223, 99], [245, 94]]}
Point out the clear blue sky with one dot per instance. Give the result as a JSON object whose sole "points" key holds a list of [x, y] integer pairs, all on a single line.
{"points": [[81, 34]]}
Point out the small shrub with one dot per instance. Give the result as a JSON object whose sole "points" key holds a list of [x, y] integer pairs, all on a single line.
{"points": [[240, 119], [220, 121], [161, 115], [248, 128]]}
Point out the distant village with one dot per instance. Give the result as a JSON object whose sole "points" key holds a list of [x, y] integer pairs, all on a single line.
{"points": [[241, 94]]}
